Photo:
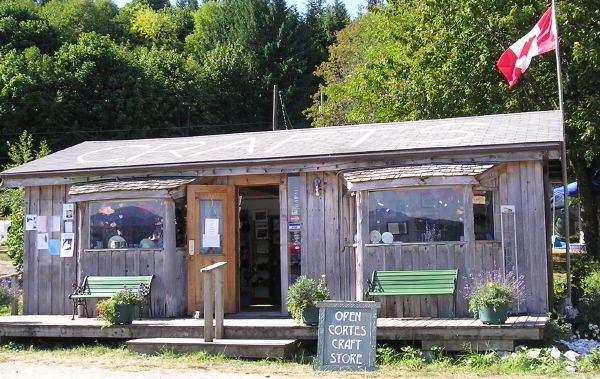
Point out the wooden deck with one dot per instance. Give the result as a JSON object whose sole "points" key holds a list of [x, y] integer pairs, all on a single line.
{"points": [[451, 333]]}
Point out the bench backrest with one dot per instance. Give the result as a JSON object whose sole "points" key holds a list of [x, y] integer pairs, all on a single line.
{"points": [[433, 282], [106, 286]]}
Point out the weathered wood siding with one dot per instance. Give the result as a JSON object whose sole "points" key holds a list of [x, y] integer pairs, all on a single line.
{"points": [[522, 184], [47, 278], [439, 256], [131, 263], [517, 183]]}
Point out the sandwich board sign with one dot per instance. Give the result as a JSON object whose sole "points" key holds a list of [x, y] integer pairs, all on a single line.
{"points": [[347, 335]]}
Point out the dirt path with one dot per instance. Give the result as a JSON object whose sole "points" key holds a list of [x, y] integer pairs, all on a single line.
{"points": [[75, 365]]}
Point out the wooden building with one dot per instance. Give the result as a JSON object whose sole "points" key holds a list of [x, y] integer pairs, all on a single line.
{"points": [[466, 193]]}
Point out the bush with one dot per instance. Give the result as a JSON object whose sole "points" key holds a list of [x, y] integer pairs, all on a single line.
{"points": [[559, 288], [591, 284], [493, 289], [304, 293], [107, 309], [6, 295]]}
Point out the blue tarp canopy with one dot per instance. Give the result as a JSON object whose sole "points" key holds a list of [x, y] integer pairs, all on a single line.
{"points": [[571, 190]]}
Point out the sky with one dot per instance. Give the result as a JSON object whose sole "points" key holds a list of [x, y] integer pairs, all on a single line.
{"points": [[351, 5]]}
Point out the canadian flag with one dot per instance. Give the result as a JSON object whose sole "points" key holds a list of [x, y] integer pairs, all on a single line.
{"points": [[541, 39]]}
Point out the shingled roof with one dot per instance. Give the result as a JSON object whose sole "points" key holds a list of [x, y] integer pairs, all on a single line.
{"points": [[128, 185], [423, 171], [491, 133]]}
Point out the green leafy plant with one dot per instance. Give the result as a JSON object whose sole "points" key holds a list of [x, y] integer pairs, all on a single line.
{"points": [[107, 309], [494, 289], [304, 293]]}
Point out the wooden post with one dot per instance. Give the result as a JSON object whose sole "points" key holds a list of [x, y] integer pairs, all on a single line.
{"points": [[362, 230], [214, 297], [283, 243], [209, 304], [219, 276], [14, 306], [275, 94], [173, 295]]}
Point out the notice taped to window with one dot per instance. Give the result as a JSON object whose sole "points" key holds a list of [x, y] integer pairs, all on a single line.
{"points": [[347, 335]]}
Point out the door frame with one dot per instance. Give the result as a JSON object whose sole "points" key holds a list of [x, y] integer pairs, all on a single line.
{"points": [[280, 181], [227, 194]]}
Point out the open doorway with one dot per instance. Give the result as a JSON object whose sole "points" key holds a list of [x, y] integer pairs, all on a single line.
{"points": [[260, 279]]}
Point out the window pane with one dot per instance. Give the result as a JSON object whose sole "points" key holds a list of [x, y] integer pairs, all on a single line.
{"points": [[483, 213], [126, 224], [211, 226], [416, 215]]}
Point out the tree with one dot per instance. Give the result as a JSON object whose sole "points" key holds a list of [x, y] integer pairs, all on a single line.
{"points": [[436, 59], [74, 17], [12, 199], [22, 27]]}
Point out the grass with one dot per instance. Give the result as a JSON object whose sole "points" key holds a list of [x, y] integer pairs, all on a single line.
{"points": [[3, 254], [406, 362]]}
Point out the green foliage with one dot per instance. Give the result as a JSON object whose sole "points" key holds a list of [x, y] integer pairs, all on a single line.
{"points": [[107, 309], [7, 295], [591, 284], [557, 328], [559, 288], [407, 356], [587, 322], [12, 199], [582, 267], [592, 361], [304, 293]]}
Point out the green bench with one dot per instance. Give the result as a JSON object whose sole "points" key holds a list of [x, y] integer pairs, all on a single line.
{"points": [[105, 286], [414, 283]]}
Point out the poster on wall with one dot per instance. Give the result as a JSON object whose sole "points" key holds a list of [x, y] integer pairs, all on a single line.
{"points": [[42, 224], [68, 211], [42, 241], [67, 240], [54, 247], [30, 222], [56, 223], [68, 226]]}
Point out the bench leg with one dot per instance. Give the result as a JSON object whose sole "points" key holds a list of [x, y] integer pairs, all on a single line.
{"points": [[74, 309]]}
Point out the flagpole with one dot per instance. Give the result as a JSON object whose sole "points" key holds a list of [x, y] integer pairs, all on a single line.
{"points": [[563, 158]]}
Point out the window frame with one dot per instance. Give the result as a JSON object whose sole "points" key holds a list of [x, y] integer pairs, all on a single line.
{"points": [[468, 220], [88, 248]]}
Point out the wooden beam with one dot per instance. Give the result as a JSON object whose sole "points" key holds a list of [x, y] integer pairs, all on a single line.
{"points": [[362, 232], [173, 299], [411, 182], [283, 242]]}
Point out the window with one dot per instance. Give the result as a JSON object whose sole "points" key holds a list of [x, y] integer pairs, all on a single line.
{"points": [[416, 215], [126, 224], [483, 214]]}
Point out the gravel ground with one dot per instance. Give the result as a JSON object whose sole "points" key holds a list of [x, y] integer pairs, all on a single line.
{"points": [[20, 370]]}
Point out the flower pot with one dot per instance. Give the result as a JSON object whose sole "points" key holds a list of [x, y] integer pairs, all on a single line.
{"points": [[310, 316], [125, 313], [490, 315]]}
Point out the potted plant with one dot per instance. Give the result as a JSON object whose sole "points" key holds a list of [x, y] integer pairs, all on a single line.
{"points": [[303, 296], [119, 308], [492, 293]]}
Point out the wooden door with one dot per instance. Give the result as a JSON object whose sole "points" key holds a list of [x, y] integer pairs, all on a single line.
{"points": [[211, 230]]}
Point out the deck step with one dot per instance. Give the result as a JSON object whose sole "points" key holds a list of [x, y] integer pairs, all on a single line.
{"points": [[238, 348]]}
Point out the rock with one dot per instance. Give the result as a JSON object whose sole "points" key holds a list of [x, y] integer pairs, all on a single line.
{"points": [[520, 348], [504, 354], [572, 356], [555, 353], [571, 312], [428, 355], [571, 368], [534, 354]]}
